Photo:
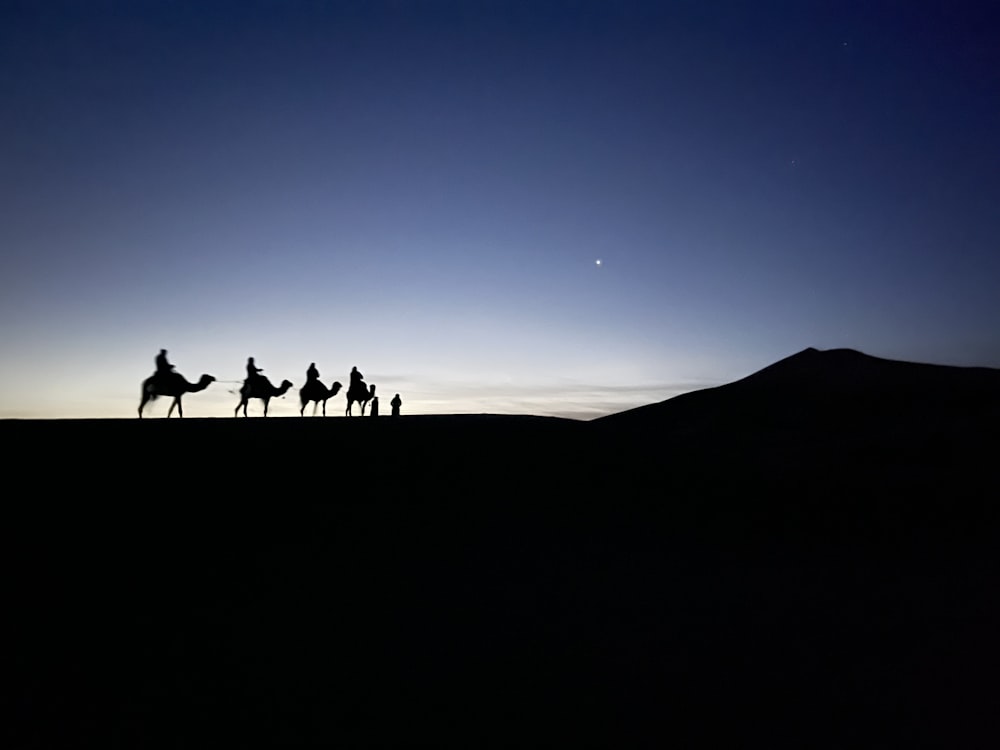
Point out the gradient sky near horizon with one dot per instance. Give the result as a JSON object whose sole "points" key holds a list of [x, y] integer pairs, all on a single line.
{"points": [[424, 190]]}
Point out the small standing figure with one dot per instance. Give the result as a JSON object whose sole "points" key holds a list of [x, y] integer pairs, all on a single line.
{"points": [[312, 373], [374, 400], [395, 404]]}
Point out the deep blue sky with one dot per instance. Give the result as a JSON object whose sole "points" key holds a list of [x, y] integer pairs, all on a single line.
{"points": [[422, 189]]}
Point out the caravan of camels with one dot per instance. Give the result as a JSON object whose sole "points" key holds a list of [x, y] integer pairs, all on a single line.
{"points": [[165, 381]]}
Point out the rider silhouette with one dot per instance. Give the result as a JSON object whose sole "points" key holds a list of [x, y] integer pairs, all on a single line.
{"points": [[357, 387], [163, 367], [253, 372], [312, 373]]}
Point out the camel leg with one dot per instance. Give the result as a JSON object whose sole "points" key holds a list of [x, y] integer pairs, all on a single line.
{"points": [[180, 409], [145, 398], [324, 407], [265, 406]]}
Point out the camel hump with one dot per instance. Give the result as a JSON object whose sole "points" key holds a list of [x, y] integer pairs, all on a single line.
{"points": [[168, 379], [255, 383]]}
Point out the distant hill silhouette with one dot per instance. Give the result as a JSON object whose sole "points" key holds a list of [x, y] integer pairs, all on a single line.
{"points": [[838, 425], [824, 389]]}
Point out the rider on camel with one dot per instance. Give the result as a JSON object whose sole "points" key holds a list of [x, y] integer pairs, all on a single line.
{"points": [[162, 365], [163, 368], [253, 372], [357, 383], [312, 373]]}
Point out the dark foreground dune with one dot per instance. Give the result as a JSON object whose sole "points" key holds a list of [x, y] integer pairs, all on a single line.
{"points": [[778, 562]]}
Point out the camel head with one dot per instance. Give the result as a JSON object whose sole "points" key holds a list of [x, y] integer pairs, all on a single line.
{"points": [[201, 385], [335, 388], [285, 385]]}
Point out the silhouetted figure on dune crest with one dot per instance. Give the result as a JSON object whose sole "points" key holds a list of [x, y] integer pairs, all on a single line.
{"points": [[164, 370], [396, 403], [163, 367], [358, 392], [374, 399], [314, 390], [253, 372], [170, 383], [312, 373], [259, 387]]}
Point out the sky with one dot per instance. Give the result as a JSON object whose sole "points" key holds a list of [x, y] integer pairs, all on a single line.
{"points": [[531, 207]]}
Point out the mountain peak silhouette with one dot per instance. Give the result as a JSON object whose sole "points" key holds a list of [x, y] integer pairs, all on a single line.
{"points": [[818, 385], [828, 367]]}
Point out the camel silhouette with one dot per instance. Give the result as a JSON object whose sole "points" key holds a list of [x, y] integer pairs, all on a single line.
{"points": [[314, 390], [361, 394], [262, 388], [171, 384]]}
